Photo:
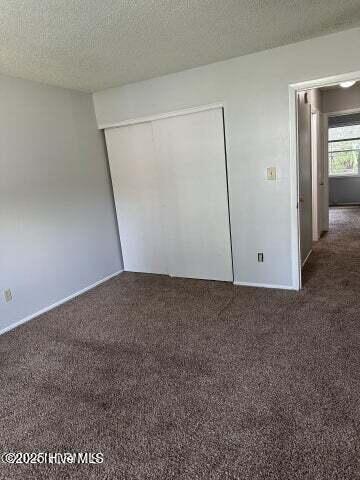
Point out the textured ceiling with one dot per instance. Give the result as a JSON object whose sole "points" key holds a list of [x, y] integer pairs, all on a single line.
{"points": [[94, 44]]}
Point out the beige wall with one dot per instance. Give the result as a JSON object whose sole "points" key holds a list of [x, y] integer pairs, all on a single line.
{"points": [[339, 99]]}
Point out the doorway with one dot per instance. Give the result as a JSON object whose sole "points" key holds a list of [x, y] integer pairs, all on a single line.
{"points": [[311, 177]]}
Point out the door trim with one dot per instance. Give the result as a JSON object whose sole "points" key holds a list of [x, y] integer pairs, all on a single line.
{"points": [[160, 116], [307, 258], [294, 163]]}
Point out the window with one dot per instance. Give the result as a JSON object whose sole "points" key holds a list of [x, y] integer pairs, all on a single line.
{"points": [[344, 147]]}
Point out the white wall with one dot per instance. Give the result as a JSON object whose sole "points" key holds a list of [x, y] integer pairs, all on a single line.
{"points": [[254, 90], [58, 229]]}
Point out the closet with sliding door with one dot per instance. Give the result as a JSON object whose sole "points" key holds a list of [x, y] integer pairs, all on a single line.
{"points": [[170, 187]]}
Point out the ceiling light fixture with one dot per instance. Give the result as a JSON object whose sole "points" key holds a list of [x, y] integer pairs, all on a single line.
{"points": [[347, 84]]}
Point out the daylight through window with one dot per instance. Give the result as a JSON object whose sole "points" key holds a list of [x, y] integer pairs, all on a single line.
{"points": [[344, 150]]}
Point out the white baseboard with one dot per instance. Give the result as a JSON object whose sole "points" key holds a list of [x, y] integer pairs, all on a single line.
{"points": [[60, 302], [307, 258], [265, 285]]}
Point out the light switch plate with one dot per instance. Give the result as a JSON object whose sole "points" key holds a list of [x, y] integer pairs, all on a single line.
{"points": [[271, 173]]}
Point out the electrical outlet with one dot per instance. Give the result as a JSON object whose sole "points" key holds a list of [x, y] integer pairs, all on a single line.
{"points": [[260, 257], [8, 295]]}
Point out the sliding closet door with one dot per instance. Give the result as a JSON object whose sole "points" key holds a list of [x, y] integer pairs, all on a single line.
{"points": [[191, 150], [137, 185]]}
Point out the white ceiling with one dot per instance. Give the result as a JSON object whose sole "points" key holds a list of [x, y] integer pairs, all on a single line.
{"points": [[94, 44]]}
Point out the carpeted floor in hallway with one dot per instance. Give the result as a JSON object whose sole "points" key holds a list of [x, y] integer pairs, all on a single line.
{"points": [[181, 379]]}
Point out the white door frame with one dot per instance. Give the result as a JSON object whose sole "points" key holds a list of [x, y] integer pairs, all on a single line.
{"points": [[160, 116], [294, 164]]}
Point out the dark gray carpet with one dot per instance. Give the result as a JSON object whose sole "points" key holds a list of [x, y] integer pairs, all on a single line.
{"points": [[182, 379]]}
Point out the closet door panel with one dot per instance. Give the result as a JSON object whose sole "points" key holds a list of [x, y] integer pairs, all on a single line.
{"points": [[192, 153], [137, 188]]}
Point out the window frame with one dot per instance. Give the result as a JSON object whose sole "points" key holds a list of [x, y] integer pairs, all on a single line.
{"points": [[349, 175]]}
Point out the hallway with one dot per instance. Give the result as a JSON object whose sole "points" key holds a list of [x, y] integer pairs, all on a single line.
{"points": [[334, 266]]}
